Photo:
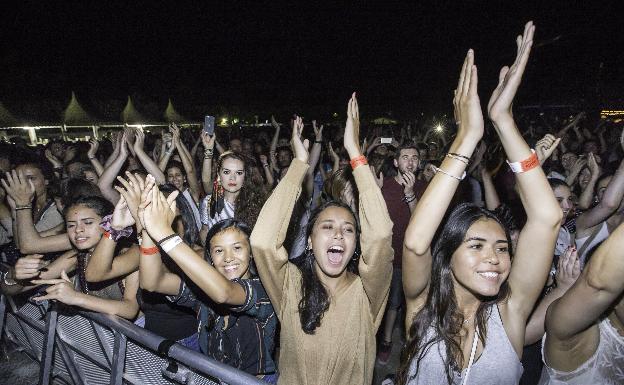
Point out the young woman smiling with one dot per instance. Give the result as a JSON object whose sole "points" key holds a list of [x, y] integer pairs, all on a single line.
{"points": [[467, 305]]}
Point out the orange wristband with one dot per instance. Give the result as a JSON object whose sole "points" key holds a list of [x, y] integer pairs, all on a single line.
{"points": [[107, 235], [357, 161], [149, 250], [525, 165]]}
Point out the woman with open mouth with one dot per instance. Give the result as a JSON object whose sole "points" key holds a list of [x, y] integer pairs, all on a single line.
{"points": [[331, 303], [115, 297]]}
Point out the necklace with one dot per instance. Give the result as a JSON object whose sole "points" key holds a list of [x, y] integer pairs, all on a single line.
{"points": [[467, 319]]}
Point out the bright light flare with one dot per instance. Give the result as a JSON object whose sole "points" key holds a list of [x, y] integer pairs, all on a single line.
{"points": [[439, 128]]}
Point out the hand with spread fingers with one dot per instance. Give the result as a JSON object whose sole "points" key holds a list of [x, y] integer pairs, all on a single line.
{"points": [[131, 197], [19, 188], [545, 147], [60, 289], [93, 147]]}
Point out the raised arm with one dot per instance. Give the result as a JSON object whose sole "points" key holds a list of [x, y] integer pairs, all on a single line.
{"points": [[315, 154], [375, 266], [269, 233], [116, 139], [27, 239], [158, 216], [209, 143], [92, 155], [587, 195], [492, 201], [431, 208], [274, 141], [610, 201], [187, 163], [148, 163], [533, 257], [594, 292], [105, 183]]}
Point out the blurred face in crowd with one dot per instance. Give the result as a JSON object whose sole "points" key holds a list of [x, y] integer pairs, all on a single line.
{"points": [[565, 199], [584, 178], [247, 147], [34, 174], [236, 145], [284, 157], [258, 148], [382, 150], [567, 160], [74, 169], [91, 176], [232, 174], [231, 253], [333, 240], [83, 227], [283, 142], [408, 160], [176, 177], [482, 262], [429, 172]]}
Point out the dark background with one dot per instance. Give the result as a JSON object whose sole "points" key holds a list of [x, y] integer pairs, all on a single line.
{"points": [[258, 59]]}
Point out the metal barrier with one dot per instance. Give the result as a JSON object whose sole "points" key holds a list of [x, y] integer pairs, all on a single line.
{"points": [[80, 347]]}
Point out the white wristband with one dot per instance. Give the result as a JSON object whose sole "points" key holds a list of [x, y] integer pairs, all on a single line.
{"points": [[169, 244]]}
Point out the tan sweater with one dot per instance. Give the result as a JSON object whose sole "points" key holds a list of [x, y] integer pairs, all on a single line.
{"points": [[342, 350]]}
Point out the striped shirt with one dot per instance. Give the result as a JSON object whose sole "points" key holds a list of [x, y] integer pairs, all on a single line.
{"points": [[204, 210]]}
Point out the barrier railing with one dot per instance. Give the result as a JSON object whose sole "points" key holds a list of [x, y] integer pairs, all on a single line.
{"points": [[80, 347]]}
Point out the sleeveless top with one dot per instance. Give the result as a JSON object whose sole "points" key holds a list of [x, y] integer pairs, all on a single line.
{"points": [[498, 363], [187, 195], [604, 367], [603, 233]]}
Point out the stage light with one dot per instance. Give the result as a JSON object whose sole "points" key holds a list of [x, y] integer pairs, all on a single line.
{"points": [[439, 128]]}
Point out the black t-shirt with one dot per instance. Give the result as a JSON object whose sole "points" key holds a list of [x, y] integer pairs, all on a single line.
{"points": [[165, 318]]}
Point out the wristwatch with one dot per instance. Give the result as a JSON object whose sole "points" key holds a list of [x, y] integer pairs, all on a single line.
{"points": [[10, 281]]}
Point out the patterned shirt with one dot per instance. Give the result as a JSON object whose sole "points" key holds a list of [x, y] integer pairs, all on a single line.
{"points": [[247, 340]]}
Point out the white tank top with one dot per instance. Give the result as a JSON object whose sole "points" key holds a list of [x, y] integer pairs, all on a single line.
{"points": [[603, 233], [604, 367]]}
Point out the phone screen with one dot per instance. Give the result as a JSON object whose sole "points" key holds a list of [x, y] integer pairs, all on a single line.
{"points": [[209, 124], [386, 140]]}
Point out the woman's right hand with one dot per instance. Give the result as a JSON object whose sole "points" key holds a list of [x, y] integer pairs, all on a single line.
{"points": [[300, 148], [19, 188], [466, 103], [208, 140], [593, 166], [568, 269], [352, 128]]}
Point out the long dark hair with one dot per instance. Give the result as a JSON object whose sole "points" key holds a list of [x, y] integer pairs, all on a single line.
{"points": [[191, 233], [250, 197], [314, 298], [225, 225], [102, 208], [440, 320]]}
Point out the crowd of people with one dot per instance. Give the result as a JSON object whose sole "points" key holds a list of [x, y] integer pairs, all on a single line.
{"points": [[294, 254]]}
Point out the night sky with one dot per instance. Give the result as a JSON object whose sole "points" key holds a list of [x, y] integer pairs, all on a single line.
{"points": [[400, 58]]}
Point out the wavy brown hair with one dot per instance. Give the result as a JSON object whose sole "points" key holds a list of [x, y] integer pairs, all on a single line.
{"points": [[250, 199]]}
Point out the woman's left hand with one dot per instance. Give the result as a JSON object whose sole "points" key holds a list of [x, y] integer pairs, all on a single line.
{"points": [[352, 128], [61, 289]]}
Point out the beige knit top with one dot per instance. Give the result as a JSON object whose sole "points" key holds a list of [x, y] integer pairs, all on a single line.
{"points": [[342, 350]]}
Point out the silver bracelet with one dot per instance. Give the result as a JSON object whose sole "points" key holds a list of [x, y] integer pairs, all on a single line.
{"points": [[448, 174], [4, 279]]}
